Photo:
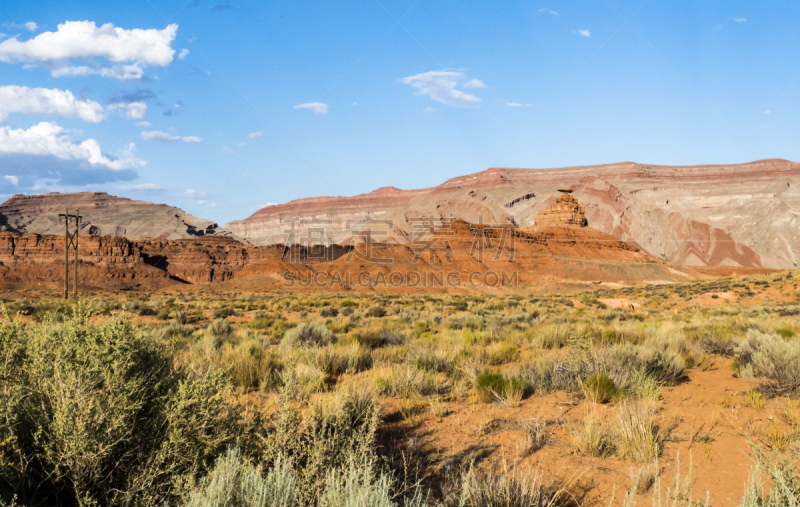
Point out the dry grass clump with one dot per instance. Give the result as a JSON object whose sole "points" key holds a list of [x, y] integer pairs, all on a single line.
{"points": [[537, 435], [306, 335], [636, 434], [509, 489], [591, 438]]}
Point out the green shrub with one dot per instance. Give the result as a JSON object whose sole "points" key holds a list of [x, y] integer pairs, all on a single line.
{"points": [[491, 386], [771, 357], [785, 332], [323, 441], [306, 335], [376, 311], [95, 414], [328, 311], [220, 328], [175, 330], [348, 303], [250, 366], [599, 388], [236, 482], [260, 324], [360, 485], [223, 312]]}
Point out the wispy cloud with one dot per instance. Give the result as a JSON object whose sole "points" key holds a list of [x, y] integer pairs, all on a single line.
{"points": [[183, 53], [133, 110], [253, 135], [474, 83], [585, 33], [139, 188], [30, 26], [548, 11], [157, 135], [317, 107], [740, 20], [441, 85]]}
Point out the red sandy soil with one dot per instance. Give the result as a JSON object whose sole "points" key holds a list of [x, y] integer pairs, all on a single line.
{"points": [[709, 407]]}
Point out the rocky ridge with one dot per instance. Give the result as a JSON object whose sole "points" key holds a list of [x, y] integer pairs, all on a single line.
{"points": [[103, 215]]}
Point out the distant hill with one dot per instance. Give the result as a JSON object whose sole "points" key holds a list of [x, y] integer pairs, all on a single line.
{"points": [[103, 214]]}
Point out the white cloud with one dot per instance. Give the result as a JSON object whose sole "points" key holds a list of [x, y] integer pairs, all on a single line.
{"points": [[441, 86], [554, 13], [143, 123], [740, 20], [317, 107], [12, 179], [30, 25], [130, 49], [183, 53], [241, 144], [132, 110], [585, 33], [253, 135], [46, 101], [545, 9], [50, 139], [474, 83], [513, 104], [768, 111], [190, 192], [157, 135], [428, 110], [121, 72], [138, 188]]}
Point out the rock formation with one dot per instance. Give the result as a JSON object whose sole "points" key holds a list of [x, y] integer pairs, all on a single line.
{"points": [[566, 212], [103, 214], [706, 215], [454, 254]]}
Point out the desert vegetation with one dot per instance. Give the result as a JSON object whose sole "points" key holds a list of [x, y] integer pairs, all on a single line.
{"points": [[395, 400]]}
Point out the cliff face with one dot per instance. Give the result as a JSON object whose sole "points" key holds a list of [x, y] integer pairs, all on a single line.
{"points": [[737, 215], [103, 214], [108, 262]]}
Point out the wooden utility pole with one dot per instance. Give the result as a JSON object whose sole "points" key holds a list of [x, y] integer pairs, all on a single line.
{"points": [[70, 240]]}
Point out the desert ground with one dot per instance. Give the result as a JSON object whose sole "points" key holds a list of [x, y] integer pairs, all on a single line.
{"points": [[664, 393]]}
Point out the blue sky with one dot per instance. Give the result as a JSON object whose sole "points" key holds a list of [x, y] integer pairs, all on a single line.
{"points": [[223, 106]]}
